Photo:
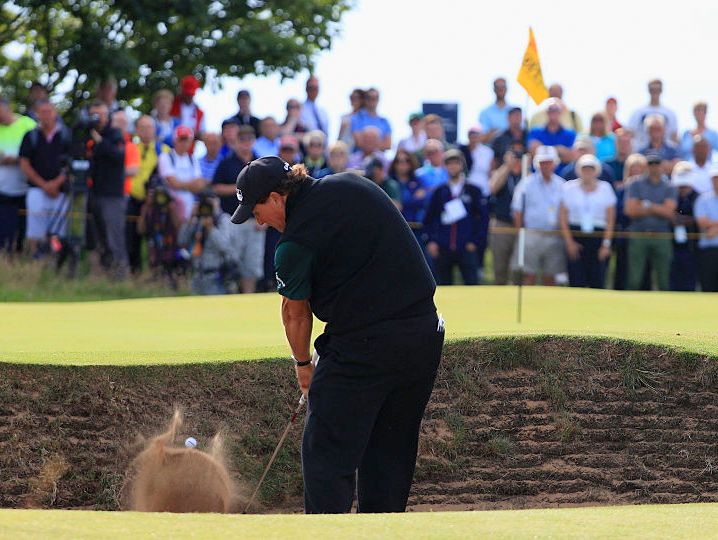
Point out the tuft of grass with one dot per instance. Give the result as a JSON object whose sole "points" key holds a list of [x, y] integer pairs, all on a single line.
{"points": [[512, 352], [567, 427], [38, 281], [708, 374], [635, 373], [499, 446], [551, 389]]}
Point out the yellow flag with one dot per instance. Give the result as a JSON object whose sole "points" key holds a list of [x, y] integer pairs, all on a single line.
{"points": [[530, 76]]}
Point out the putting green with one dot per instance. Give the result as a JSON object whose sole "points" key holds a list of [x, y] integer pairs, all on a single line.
{"points": [[656, 522], [247, 327]]}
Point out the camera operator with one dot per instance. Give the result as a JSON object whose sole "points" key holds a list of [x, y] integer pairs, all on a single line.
{"points": [[43, 154], [207, 245], [108, 188], [159, 222]]}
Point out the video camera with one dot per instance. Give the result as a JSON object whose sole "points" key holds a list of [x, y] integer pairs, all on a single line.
{"points": [[161, 196], [206, 204], [78, 171]]}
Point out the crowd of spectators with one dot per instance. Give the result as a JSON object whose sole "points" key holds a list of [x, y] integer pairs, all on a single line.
{"points": [[640, 194]]}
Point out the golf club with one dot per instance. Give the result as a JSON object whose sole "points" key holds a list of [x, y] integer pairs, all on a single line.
{"points": [[276, 451]]}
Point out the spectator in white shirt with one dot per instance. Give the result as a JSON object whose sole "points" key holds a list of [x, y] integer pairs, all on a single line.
{"points": [[181, 171], [701, 165], [479, 159], [535, 206], [588, 218], [313, 116]]}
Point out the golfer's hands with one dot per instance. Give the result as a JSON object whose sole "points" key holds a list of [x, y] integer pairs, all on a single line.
{"points": [[304, 377]]}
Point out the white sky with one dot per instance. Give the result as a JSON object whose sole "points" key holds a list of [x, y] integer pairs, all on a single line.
{"points": [[451, 51]]}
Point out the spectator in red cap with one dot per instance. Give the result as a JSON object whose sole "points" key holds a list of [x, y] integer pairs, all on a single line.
{"points": [[181, 171], [185, 109]]}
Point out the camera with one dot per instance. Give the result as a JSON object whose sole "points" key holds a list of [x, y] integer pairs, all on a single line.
{"points": [[206, 205], [161, 196], [87, 122]]}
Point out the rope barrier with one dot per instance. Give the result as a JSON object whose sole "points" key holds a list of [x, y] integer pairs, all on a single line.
{"points": [[596, 234], [414, 225]]}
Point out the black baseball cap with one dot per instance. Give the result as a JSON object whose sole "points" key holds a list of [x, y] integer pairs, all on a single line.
{"points": [[255, 182]]}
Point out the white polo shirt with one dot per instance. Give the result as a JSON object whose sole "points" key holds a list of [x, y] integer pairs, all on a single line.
{"points": [[587, 209], [184, 169]]}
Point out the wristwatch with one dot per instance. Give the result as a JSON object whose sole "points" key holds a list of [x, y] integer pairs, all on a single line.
{"points": [[301, 364]]}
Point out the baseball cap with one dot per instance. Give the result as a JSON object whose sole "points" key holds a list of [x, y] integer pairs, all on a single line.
{"points": [[653, 158], [453, 153], [255, 182], [189, 85], [183, 132], [546, 153], [476, 128], [416, 116], [588, 160]]}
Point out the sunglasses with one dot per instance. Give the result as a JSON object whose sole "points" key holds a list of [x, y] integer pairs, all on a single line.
{"points": [[246, 138], [403, 160]]}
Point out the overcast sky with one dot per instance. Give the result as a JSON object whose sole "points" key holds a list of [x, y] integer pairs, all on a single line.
{"points": [[450, 51]]}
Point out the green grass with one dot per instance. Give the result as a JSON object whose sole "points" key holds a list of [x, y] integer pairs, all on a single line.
{"points": [[655, 522], [34, 281], [247, 327]]}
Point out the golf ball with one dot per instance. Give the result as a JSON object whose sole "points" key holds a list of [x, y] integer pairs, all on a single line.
{"points": [[190, 442]]}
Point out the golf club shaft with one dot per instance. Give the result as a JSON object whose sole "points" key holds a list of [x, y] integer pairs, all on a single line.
{"points": [[276, 451]]}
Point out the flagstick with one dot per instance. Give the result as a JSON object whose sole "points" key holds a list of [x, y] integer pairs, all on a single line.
{"points": [[522, 239]]}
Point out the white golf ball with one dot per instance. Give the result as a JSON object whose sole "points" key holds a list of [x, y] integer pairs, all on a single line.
{"points": [[190, 442]]}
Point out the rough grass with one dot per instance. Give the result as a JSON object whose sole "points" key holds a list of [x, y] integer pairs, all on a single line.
{"points": [[33, 281]]}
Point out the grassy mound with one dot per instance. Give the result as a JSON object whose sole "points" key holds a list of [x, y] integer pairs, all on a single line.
{"points": [[514, 423]]}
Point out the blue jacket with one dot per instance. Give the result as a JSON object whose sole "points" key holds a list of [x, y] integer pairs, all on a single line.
{"points": [[412, 207], [454, 237]]}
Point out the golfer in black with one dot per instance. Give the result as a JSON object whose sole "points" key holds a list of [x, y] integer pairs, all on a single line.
{"points": [[347, 255]]}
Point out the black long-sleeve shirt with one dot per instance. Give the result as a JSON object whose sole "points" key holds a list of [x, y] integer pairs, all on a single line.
{"points": [[108, 164]]}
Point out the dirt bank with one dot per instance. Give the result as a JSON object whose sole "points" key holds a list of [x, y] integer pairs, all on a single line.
{"points": [[513, 423]]}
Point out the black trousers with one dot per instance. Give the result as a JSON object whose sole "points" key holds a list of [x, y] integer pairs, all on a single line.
{"points": [[708, 269], [587, 270], [467, 261], [366, 402]]}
